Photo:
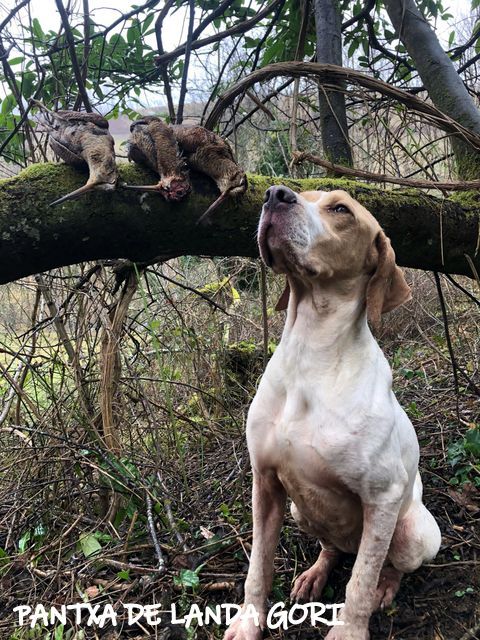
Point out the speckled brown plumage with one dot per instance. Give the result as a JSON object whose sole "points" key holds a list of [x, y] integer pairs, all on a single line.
{"points": [[153, 144], [171, 149], [83, 140]]}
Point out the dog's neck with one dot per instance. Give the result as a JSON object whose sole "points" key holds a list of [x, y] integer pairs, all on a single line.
{"points": [[327, 313]]}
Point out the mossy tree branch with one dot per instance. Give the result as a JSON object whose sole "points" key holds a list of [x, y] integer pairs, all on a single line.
{"points": [[427, 232]]}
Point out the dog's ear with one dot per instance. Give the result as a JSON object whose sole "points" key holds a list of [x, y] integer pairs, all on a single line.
{"points": [[387, 288], [282, 303]]}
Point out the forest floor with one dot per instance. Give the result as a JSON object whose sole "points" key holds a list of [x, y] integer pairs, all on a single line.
{"points": [[206, 539]]}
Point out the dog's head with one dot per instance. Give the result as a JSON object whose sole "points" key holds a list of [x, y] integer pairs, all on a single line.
{"points": [[329, 236]]}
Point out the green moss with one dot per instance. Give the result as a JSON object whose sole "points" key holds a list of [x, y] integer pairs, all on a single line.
{"points": [[467, 200]]}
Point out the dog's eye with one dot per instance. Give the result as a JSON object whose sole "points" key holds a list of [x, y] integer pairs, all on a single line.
{"points": [[341, 208]]}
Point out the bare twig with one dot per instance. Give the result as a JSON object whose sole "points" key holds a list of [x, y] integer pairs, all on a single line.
{"points": [[465, 185], [153, 534], [73, 55], [186, 64]]}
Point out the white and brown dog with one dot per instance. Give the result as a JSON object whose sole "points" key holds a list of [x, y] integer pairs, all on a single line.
{"points": [[325, 428]]}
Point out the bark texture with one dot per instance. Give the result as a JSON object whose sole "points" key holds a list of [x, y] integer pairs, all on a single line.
{"points": [[426, 232], [333, 115], [445, 87]]}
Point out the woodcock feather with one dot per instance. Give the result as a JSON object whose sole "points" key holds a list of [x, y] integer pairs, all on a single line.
{"points": [[82, 140], [171, 149]]}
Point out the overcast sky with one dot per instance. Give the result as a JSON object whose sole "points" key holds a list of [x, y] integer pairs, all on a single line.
{"points": [[174, 31]]}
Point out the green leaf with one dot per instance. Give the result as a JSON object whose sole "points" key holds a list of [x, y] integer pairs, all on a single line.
{"points": [[353, 47], [472, 442], [89, 545], [124, 575], [15, 61], [187, 579], [58, 635], [475, 4], [37, 29], [24, 540], [147, 22], [8, 104]]}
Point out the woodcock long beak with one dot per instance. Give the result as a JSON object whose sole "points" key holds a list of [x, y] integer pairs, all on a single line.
{"points": [[144, 187], [221, 198], [75, 194]]}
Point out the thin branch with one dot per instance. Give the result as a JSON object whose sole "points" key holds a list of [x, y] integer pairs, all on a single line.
{"points": [[86, 49], [153, 533], [12, 13], [455, 367], [238, 29], [361, 15], [186, 64], [73, 55], [163, 70]]}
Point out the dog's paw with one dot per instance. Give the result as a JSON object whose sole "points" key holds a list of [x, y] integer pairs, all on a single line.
{"points": [[243, 630], [309, 585], [388, 585], [348, 632]]}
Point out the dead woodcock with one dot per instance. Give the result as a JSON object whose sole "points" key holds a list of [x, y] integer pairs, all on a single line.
{"points": [[171, 149], [82, 140]]}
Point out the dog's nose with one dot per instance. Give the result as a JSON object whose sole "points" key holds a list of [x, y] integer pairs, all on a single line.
{"points": [[279, 194]]}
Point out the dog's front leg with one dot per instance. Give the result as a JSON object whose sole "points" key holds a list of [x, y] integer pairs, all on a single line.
{"points": [[379, 522], [268, 501]]}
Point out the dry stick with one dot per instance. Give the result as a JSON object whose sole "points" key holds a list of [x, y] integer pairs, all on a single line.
{"points": [[334, 76], [455, 367], [301, 156], [260, 105], [167, 503], [153, 533], [73, 55], [110, 376]]}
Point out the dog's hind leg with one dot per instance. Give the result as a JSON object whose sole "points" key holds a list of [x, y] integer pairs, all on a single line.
{"points": [[309, 584], [416, 538]]}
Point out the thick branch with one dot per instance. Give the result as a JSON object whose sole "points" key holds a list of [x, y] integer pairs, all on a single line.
{"points": [[427, 232]]}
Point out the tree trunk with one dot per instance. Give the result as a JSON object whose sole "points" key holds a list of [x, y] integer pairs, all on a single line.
{"points": [[444, 85], [426, 232], [333, 115]]}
